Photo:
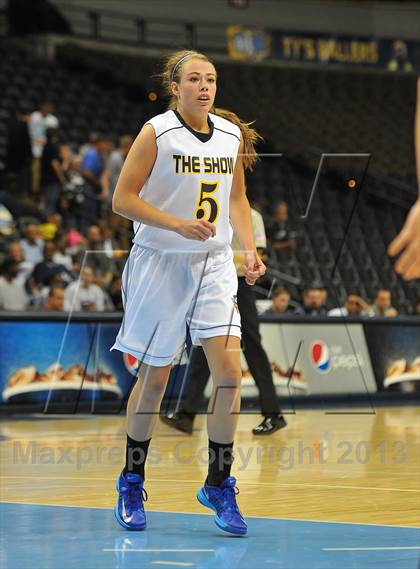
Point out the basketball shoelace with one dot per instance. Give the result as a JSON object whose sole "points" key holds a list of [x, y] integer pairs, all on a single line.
{"points": [[136, 495], [229, 498]]}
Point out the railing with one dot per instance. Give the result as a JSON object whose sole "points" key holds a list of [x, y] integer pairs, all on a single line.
{"points": [[112, 26], [25, 316]]}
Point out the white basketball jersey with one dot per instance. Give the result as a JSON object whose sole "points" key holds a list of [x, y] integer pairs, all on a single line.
{"points": [[191, 179]]}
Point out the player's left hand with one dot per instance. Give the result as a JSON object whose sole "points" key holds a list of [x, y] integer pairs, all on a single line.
{"points": [[407, 243], [254, 268]]}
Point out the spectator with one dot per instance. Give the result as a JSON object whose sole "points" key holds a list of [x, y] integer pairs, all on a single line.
{"points": [[92, 169], [7, 225], [324, 297], [382, 305], [32, 245], [12, 291], [280, 302], [96, 257], [42, 293], [84, 295], [313, 303], [75, 241], [39, 122], [52, 173], [109, 239], [61, 256], [24, 267], [55, 300], [19, 154], [354, 305], [113, 167], [279, 230], [47, 268], [71, 203], [66, 157], [74, 167], [50, 226], [93, 163], [115, 293]]}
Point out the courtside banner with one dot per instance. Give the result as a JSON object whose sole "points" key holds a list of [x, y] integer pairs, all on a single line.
{"points": [[316, 358], [49, 362], [287, 381], [45, 360], [334, 358], [246, 43], [395, 354]]}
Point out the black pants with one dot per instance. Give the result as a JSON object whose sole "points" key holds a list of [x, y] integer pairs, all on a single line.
{"points": [[259, 366]]}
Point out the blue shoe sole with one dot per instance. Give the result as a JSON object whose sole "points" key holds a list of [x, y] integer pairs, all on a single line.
{"points": [[119, 518], [201, 497]]}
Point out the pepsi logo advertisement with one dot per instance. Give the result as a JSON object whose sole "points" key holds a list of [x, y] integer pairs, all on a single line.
{"points": [[320, 356], [331, 358], [335, 356], [131, 363]]}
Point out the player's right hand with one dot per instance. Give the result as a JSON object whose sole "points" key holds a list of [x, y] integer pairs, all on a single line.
{"points": [[407, 243], [200, 230]]}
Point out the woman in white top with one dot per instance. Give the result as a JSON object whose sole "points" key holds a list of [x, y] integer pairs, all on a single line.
{"points": [[183, 186]]}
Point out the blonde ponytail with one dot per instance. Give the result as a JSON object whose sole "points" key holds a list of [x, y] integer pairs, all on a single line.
{"points": [[249, 135]]}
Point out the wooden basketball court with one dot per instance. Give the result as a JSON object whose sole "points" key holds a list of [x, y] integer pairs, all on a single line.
{"points": [[340, 487]]}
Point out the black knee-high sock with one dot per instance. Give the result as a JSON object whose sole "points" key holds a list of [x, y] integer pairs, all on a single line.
{"points": [[135, 456], [220, 462]]}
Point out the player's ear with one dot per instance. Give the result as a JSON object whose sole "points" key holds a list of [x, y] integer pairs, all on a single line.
{"points": [[174, 88]]}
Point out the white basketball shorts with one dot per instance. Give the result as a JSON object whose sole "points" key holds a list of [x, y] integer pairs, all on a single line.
{"points": [[164, 292]]}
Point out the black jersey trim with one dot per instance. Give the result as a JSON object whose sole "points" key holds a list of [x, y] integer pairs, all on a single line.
{"points": [[201, 136], [165, 131], [227, 132]]}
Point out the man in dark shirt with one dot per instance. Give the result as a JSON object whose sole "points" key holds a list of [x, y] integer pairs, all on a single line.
{"points": [[279, 230], [19, 153], [313, 303], [46, 269], [52, 174]]}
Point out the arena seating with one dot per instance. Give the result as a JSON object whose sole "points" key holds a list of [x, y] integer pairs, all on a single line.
{"points": [[300, 113], [362, 265]]}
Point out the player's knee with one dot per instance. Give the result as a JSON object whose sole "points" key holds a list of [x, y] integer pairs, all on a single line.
{"points": [[155, 387], [230, 376], [155, 384]]}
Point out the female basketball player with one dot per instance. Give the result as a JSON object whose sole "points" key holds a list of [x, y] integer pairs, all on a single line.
{"points": [[182, 184]]}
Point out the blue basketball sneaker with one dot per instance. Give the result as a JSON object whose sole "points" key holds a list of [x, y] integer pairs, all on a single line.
{"points": [[129, 509], [222, 500]]}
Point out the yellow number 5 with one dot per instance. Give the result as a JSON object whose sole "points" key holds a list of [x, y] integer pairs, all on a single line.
{"points": [[208, 206]]}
